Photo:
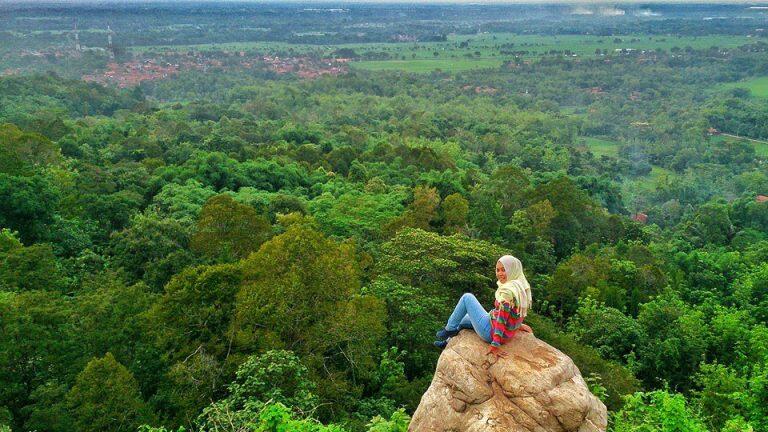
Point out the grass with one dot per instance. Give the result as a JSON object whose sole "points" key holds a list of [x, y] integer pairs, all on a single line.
{"points": [[657, 176], [761, 147], [425, 65], [600, 147], [758, 87], [465, 52]]}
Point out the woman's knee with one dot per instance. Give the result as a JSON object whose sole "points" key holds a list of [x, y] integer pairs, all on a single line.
{"points": [[468, 296]]}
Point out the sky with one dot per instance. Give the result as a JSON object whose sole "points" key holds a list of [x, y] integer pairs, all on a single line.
{"points": [[437, 2]]}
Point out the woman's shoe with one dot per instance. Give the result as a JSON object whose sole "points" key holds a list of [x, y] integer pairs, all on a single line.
{"points": [[441, 344], [445, 334]]}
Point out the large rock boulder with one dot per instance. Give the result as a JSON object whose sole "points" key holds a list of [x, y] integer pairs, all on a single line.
{"points": [[536, 388]]}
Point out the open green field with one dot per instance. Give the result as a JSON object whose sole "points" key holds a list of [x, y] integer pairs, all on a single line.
{"points": [[427, 65], [649, 183], [761, 147], [600, 147], [758, 87], [463, 52]]}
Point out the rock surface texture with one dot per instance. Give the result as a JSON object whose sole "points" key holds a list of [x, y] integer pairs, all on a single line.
{"points": [[536, 388]]}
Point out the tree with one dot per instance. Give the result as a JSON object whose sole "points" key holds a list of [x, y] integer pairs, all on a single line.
{"points": [[578, 220], [22, 152], [301, 292], [195, 311], [455, 209], [277, 376], [27, 205], [48, 408], [9, 240], [355, 213], [444, 266], [421, 212], [106, 397], [228, 230], [721, 395], [30, 268], [409, 312], [182, 202], [657, 411], [612, 333], [676, 344], [36, 346], [710, 225], [151, 249]]}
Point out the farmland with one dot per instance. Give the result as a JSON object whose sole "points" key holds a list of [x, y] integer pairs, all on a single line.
{"points": [[464, 52], [758, 87]]}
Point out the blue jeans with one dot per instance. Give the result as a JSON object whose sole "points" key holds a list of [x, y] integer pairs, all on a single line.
{"points": [[469, 313]]}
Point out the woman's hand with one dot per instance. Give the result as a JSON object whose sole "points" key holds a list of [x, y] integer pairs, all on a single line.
{"points": [[497, 352]]}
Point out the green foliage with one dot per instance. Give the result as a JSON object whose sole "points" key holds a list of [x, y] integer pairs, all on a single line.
{"points": [[196, 310], [315, 280], [751, 292], [105, 195], [737, 424], [355, 213], [392, 382], [758, 397], [151, 249], [722, 395], [421, 212], [678, 341], [409, 312], [27, 205], [273, 377], [21, 152], [454, 209], [622, 277], [276, 376], [9, 240], [397, 423], [618, 380], [613, 334], [48, 408], [440, 265], [657, 411], [182, 202], [710, 225], [106, 397], [30, 268], [595, 385], [227, 230]]}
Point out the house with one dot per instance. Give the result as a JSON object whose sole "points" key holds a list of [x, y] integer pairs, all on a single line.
{"points": [[640, 217]]}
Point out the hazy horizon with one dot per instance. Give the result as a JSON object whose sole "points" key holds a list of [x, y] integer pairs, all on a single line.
{"points": [[434, 2]]}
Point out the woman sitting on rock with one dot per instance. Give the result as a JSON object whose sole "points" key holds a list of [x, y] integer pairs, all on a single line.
{"points": [[513, 298]]}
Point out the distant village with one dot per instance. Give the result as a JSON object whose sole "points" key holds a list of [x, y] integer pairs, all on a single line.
{"points": [[132, 73], [153, 66]]}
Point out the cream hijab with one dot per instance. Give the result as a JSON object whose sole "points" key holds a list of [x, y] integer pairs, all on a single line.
{"points": [[516, 287]]}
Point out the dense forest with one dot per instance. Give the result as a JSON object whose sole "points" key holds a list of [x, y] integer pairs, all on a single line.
{"points": [[237, 250]]}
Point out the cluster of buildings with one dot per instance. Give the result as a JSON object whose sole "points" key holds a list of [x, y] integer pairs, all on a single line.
{"points": [[132, 73], [306, 67], [10, 71], [481, 89]]}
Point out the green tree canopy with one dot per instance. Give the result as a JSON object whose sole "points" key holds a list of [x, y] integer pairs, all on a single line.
{"points": [[106, 397]]}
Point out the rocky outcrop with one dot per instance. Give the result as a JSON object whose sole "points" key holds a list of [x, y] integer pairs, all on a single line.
{"points": [[536, 388]]}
